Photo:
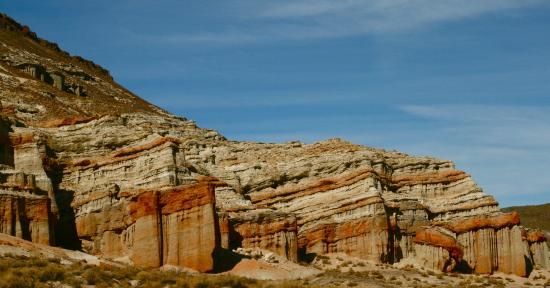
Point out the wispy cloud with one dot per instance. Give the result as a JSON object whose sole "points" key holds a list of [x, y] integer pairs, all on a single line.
{"points": [[314, 19], [519, 126], [305, 8], [504, 147]]}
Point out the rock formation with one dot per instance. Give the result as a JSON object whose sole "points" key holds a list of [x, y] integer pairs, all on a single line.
{"points": [[538, 248], [118, 177]]}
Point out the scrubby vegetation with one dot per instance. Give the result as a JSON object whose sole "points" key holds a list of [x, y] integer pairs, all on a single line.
{"points": [[23, 272], [536, 216]]}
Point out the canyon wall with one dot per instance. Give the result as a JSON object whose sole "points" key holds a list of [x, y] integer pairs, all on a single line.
{"points": [[110, 174]]}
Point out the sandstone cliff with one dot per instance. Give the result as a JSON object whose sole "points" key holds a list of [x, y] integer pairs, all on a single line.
{"points": [[108, 173]]}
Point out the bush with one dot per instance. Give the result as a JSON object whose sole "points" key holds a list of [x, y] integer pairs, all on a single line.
{"points": [[13, 281], [51, 274], [74, 282], [95, 276]]}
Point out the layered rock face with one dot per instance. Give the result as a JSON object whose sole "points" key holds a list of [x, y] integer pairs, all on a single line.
{"points": [[27, 205], [482, 244], [264, 229], [115, 176]]}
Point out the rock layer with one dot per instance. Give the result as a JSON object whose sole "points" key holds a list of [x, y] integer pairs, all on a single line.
{"points": [[266, 230]]}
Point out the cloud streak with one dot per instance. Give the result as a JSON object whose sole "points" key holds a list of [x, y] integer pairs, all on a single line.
{"points": [[504, 147], [320, 19], [519, 126]]}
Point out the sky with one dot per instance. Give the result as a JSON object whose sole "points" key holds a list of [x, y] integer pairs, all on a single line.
{"points": [[467, 81]]}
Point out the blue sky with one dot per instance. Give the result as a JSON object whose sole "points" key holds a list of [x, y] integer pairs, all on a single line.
{"points": [[462, 80]]}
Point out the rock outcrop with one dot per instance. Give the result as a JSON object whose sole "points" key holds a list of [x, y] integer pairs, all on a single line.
{"points": [[438, 249], [115, 176], [268, 230], [482, 244], [27, 203], [538, 248]]}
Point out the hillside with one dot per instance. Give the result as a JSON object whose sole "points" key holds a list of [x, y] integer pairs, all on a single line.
{"points": [[41, 82], [533, 216]]}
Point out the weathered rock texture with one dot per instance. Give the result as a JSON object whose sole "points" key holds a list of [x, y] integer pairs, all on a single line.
{"points": [[438, 249], [538, 248], [115, 176]]}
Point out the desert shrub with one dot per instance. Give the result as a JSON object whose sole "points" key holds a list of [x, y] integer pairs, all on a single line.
{"points": [[234, 282], [375, 273], [289, 284], [494, 281], [74, 282], [13, 281], [103, 285], [94, 275], [36, 262], [479, 280], [54, 260], [322, 257], [51, 274]]}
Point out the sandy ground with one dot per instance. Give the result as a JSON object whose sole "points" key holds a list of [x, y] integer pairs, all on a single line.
{"points": [[346, 271], [266, 265], [17, 246]]}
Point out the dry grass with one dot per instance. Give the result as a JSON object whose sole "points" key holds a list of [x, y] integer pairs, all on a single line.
{"points": [[23, 272]]}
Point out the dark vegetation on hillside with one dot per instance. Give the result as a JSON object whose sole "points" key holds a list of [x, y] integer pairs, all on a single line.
{"points": [[7, 23], [535, 216], [99, 95]]}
